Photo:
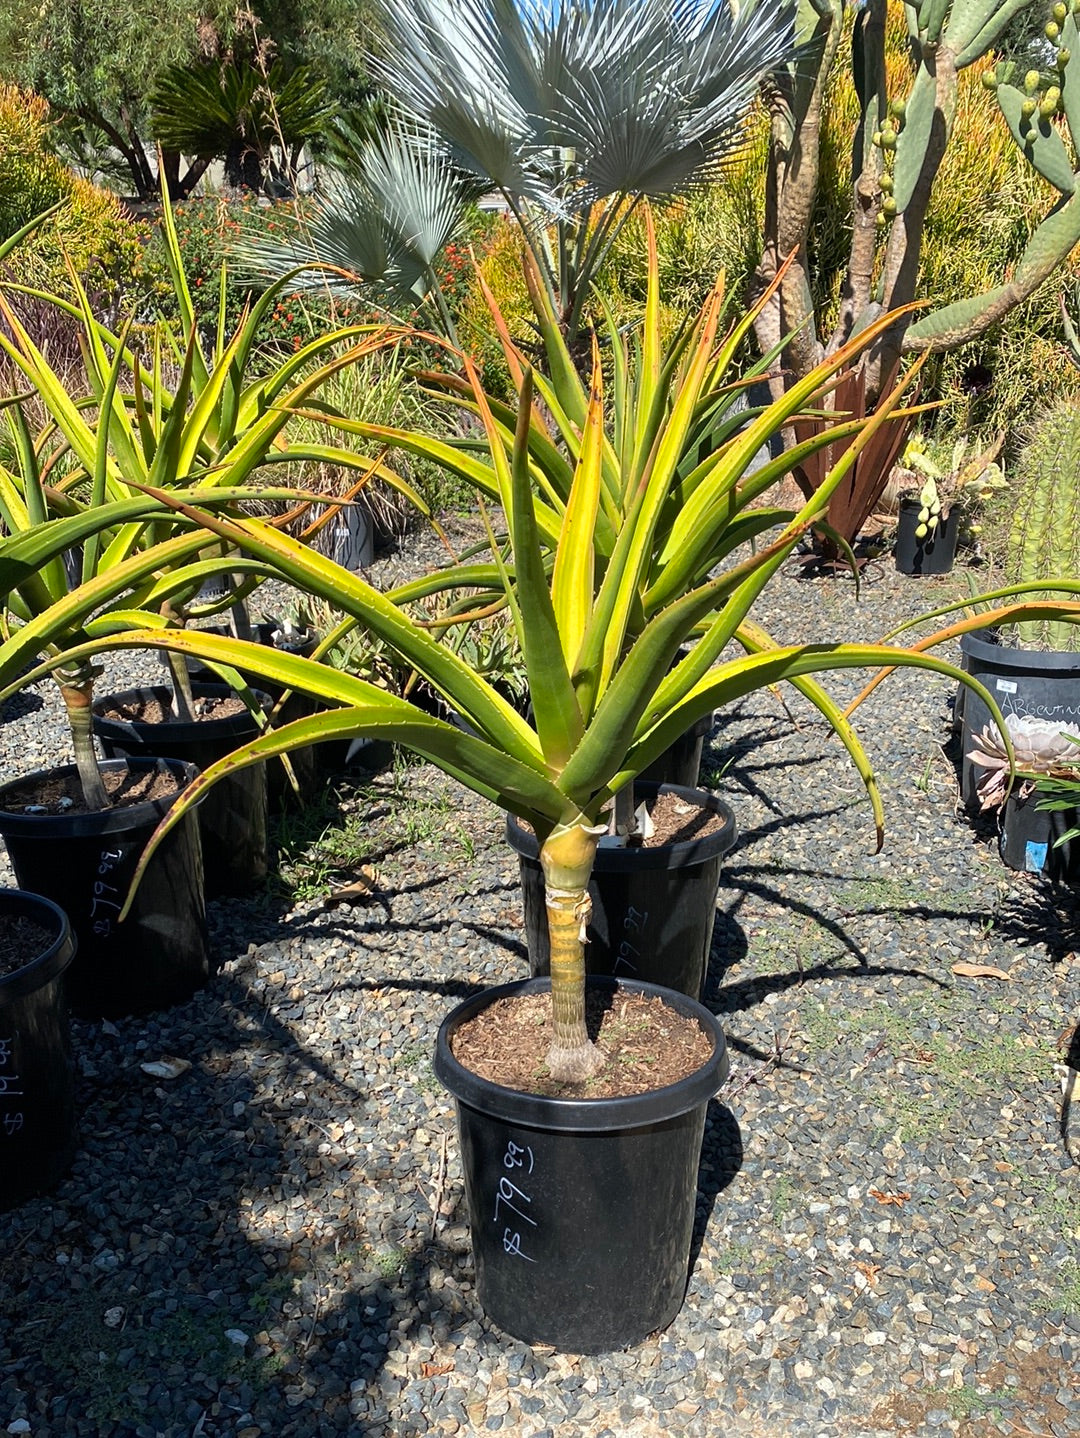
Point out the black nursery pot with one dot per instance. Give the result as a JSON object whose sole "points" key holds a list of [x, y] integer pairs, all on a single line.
{"points": [[1029, 836], [1025, 682], [680, 763], [280, 792], [37, 1078], [652, 909], [935, 553], [233, 815], [158, 956], [582, 1210]]}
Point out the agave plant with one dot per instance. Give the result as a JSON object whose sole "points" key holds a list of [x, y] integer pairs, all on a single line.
{"points": [[573, 112]]}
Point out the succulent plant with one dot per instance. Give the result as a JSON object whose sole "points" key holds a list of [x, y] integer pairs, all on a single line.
{"points": [[1045, 535], [898, 147], [1042, 748]]}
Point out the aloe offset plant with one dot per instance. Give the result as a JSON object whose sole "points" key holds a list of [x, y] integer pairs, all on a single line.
{"points": [[609, 691]]}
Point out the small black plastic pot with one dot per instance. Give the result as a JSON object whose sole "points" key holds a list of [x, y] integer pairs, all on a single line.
{"points": [[1029, 683], [652, 908], [233, 815], [681, 762], [1029, 836], [933, 554], [280, 791], [37, 1076], [582, 1210], [158, 956]]}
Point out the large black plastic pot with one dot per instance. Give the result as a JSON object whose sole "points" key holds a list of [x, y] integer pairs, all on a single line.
{"points": [[652, 908], [582, 1210], [233, 815], [1024, 682], [1029, 836], [158, 956], [936, 552], [37, 1077]]}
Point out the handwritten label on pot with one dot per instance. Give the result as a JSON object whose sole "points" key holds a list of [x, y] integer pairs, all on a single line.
{"points": [[1007, 686], [10, 1089], [105, 896], [510, 1198], [630, 947]]}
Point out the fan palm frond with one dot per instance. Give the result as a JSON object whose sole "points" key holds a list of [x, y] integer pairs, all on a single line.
{"points": [[567, 104], [385, 221]]}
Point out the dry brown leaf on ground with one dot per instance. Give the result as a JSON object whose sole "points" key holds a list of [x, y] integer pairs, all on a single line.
{"points": [[898, 1198], [361, 891], [980, 971]]}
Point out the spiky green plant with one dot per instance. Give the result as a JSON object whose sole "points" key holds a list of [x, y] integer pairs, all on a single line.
{"points": [[212, 429], [603, 578], [1044, 538]]}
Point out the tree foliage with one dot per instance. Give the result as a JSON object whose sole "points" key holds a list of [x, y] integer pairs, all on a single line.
{"points": [[99, 61]]}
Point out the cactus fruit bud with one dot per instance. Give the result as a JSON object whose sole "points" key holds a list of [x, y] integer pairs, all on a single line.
{"points": [[921, 532], [924, 514], [1049, 103], [876, 138], [990, 80], [888, 206], [1031, 82], [888, 138], [1063, 57], [1051, 31], [898, 107], [886, 183], [1028, 108], [1059, 12]]}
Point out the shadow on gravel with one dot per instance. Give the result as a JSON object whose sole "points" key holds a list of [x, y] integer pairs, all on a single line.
{"points": [[19, 705], [1041, 913], [721, 1160]]}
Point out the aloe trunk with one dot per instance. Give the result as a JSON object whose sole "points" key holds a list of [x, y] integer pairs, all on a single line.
{"points": [[567, 858], [77, 691]]}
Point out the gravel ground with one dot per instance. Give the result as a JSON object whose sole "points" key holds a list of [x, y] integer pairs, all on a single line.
{"points": [[274, 1242]]}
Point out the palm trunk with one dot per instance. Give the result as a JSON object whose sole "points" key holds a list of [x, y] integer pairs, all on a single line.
{"points": [[77, 690], [567, 860]]}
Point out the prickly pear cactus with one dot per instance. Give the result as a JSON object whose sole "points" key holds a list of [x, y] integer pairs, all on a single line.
{"points": [[1045, 536], [1042, 111]]}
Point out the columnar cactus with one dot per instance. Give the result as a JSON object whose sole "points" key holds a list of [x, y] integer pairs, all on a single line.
{"points": [[898, 149], [1045, 536]]}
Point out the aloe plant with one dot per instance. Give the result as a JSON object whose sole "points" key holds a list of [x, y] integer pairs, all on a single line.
{"points": [[212, 429], [609, 691]]}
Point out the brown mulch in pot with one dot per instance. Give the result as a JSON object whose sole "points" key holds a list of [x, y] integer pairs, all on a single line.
{"points": [[62, 793], [148, 709], [647, 1045], [22, 940]]}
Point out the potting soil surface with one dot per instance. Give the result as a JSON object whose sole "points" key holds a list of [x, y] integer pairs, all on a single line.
{"points": [[269, 1238]]}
